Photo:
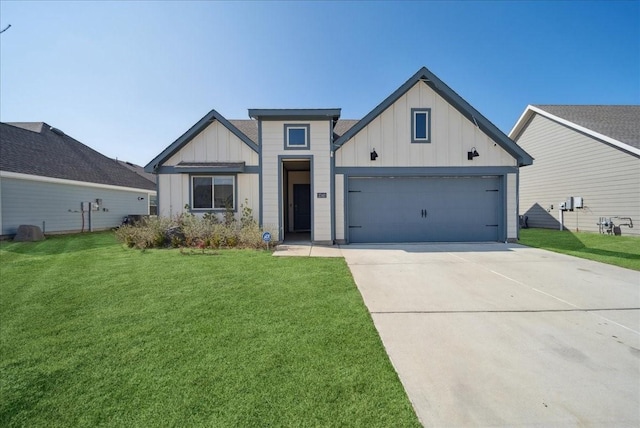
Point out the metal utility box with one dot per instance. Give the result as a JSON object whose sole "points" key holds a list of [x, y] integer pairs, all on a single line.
{"points": [[578, 202], [568, 205]]}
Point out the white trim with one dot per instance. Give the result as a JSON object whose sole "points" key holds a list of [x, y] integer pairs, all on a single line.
{"points": [[306, 137], [43, 179], [530, 110], [426, 113], [213, 195]]}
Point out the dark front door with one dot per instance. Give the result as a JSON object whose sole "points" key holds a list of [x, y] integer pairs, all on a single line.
{"points": [[301, 207]]}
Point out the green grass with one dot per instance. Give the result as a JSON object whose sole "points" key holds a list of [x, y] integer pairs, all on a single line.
{"points": [[93, 334], [621, 251]]}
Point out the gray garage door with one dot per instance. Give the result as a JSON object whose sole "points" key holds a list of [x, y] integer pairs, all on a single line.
{"points": [[424, 209]]}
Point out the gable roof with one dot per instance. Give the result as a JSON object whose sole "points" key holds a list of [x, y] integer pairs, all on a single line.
{"points": [[618, 125], [455, 100], [35, 148], [194, 131]]}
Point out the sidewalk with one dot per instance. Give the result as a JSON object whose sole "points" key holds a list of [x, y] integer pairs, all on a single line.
{"points": [[307, 250]]}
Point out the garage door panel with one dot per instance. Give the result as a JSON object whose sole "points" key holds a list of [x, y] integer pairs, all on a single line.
{"points": [[424, 209]]}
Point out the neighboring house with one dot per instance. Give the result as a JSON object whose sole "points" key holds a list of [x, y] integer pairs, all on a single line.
{"points": [[48, 179], [582, 151], [405, 172], [153, 199]]}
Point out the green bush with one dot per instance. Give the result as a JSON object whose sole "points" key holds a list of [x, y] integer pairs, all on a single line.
{"points": [[149, 233]]}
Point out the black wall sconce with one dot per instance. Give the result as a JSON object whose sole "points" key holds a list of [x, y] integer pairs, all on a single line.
{"points": [[472, 154], [374, 155]]}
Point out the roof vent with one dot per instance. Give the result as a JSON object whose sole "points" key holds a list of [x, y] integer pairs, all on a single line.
{"points": [[56, 131]]}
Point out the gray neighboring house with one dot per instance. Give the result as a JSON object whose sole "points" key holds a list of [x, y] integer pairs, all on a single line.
{"points": [[48, 179], [588, 151], [153, 199]]}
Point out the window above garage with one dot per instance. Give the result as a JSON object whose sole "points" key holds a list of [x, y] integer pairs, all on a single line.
{"points": [[420, 125], [296, 137]]}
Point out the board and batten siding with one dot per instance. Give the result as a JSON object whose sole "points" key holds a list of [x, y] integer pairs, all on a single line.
{"points": [[569, 163], [56, 207], [175, 194], [214, 144], [452, 136], [272, 148]]}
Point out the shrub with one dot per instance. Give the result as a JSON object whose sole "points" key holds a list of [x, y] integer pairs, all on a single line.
{"points": [[189, 230], [149, 233]]}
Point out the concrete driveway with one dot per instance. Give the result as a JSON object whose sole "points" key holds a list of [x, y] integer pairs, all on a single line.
{"points": [[505, 335]]}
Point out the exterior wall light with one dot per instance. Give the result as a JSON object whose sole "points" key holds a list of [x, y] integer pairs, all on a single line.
{"points": [[374, 155], [472, 154]]}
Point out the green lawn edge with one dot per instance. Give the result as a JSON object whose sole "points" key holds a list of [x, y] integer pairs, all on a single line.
{"points": [[623, 251]]}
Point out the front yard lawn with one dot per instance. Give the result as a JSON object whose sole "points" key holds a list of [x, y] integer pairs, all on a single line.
{"points": [[93, 334], [621, 251]]}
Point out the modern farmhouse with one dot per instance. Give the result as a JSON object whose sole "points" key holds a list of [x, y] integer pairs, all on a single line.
{"points": [[422, 166]]}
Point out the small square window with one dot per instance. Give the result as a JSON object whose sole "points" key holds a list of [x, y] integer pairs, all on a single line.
{"points": [[296, 136], [421, 125]]}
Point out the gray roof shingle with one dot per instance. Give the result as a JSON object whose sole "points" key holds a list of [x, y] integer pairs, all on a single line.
{"points": [[138, 170], [621, 122], [343, 126], [250, 127], [36, 148]]}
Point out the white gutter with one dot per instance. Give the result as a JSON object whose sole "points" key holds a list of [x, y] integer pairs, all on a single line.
{"points": [[29, 177], [533, 109]]}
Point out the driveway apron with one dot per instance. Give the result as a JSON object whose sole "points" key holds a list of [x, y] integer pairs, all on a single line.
{"points": [[505, 335]]}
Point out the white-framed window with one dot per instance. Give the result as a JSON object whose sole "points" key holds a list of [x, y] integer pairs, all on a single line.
{"points": [[420, 125], [296, 137], [213, 192]]}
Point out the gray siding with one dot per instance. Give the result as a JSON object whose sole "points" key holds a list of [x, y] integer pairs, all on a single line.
{"points": [[58, 205], [569, 163]]}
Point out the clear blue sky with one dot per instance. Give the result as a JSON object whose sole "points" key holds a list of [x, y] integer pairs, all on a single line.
{"points": [[128, 78]]}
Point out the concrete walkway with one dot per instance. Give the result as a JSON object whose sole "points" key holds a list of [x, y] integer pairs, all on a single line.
{"points": [[307, 250]]}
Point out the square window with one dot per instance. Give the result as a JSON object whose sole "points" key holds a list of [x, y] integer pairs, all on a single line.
{"points": [[296, 136], [421, 125], [213, 192]]}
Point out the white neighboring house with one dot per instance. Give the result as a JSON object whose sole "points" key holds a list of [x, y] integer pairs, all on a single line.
{"points": [[46, 176], [423, 166], [587, 151]]}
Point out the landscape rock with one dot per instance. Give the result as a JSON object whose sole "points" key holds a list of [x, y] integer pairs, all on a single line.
{"points": [[28, 233]]}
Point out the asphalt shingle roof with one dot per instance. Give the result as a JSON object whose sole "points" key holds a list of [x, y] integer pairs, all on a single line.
{"points": [[34, 148], [250, 127], [621, 122]]}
